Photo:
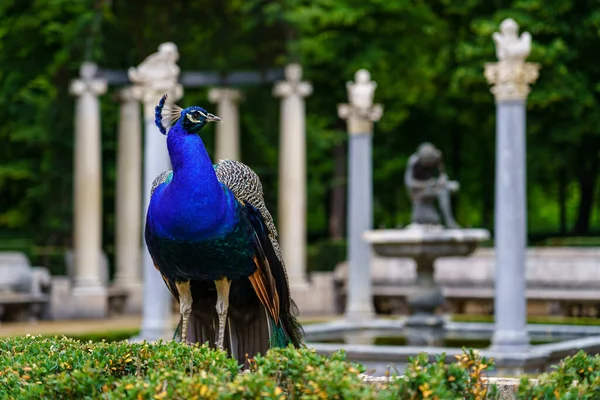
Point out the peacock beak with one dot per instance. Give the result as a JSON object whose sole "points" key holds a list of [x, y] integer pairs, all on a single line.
{"points": [[212, 118]]}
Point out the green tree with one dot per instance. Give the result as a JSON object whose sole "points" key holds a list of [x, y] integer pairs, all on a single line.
{"points": [[427, 58]]}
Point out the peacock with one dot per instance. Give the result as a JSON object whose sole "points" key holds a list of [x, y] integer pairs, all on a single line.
{"points": [[214, 242]]}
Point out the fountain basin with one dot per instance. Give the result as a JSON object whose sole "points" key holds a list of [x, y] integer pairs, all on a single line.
{"points": [[368, 342], [424, 244], [431, 241]]}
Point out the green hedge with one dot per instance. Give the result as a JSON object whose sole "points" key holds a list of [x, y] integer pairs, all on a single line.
{"points": [[574, 378], [62, 368]]}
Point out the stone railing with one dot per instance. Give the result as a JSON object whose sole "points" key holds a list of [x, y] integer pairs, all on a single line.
{"points": [[561, 277]]}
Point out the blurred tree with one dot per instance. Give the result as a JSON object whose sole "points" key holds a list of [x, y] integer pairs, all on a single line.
{"points": [[563, 127], [427, 58], [41, 46]]}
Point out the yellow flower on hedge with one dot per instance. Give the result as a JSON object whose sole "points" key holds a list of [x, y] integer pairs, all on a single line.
{"points": [[424, 388], [203, 390]]}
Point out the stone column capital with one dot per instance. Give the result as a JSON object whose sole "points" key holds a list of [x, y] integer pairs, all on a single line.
{"points": [[88, 81], [360, 112], [216, 95], [510, 79], [293, 85], [151, 94], [128, 93], [511, 75], [157, 75]]}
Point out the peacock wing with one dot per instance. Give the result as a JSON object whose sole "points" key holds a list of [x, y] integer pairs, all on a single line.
{"points": [[164, 177], [271, 274], [247, 188]]}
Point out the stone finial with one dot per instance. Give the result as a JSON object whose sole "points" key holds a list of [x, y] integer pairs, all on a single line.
{"points": [[293, 83], [360, 94], [360, 111], [157, 74], [88, 82], [509, 46], [216, 95], [511, 75]]}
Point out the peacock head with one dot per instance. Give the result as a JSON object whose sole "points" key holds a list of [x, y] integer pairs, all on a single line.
{"points": [[192, 119]]}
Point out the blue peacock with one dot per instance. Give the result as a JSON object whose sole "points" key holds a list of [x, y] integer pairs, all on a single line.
{"points": [[214, 242]]}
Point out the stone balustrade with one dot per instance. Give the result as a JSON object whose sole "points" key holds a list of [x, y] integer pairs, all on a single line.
{"points": [[565, 275]]}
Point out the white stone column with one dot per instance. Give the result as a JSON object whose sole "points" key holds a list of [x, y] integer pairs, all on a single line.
{"points": [[88, 290], [128, 218], [360, 114], [227, 143], [155, 76], [510, 78], [292, 173]]}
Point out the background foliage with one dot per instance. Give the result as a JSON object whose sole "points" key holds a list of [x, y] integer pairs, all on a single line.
{"points": [[426, 56]]}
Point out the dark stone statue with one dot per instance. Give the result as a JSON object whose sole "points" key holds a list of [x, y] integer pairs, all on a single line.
{"points": [[426, 183]]}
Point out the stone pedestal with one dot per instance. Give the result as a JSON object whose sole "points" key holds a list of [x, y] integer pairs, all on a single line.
{"points": [[227, 143], [360, 114], [128, 214], [89, 293], [154, 77], [427, 297], [510, 78], [292, 174]]}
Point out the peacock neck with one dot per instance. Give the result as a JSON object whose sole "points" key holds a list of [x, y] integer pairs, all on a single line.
{"points": [[193, 205], [194, 193], [192, 166]]}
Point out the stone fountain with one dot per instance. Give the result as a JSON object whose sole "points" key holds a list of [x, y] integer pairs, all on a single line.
{"points": [[426, 239]]}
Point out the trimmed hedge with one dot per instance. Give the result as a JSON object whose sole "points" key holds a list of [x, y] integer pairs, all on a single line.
{"points": [[62, 368], [574, 378]]}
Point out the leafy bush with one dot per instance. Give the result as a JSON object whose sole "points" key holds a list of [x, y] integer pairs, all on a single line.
{"points": [[463, 379], [50, 368], [576, 377]]}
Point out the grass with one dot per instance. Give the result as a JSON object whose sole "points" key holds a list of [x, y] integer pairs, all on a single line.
{"points": [[117, 329], [109, 336], [550, 320]]}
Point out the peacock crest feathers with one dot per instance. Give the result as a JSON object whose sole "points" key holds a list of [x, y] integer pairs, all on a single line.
{"points": [[166, 114]]}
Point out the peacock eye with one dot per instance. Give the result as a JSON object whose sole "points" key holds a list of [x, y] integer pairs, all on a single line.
{"points": [[196, 115]]}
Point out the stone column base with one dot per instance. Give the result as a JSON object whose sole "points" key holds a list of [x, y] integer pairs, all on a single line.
{"points": [[510, 341], [89, 302], [60, 298], [315, 297], [154, 330], [133, 297]]}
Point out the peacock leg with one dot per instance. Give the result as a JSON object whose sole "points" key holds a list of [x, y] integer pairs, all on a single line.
{"points": [[223, 286], [185, 307]]}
